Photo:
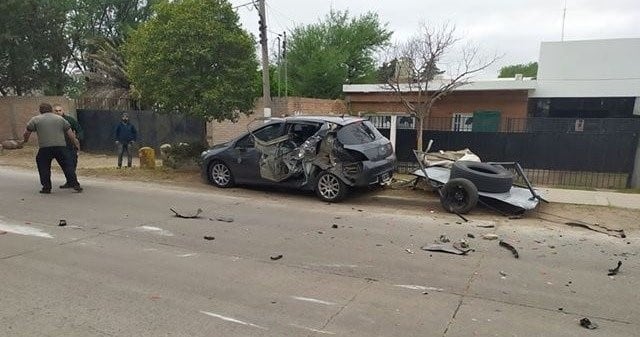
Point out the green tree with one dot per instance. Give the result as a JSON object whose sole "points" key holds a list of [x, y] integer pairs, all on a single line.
{"points": [[337, 50], [527, 70], [192, 57]]}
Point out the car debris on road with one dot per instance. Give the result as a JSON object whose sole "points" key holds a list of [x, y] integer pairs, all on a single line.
{"points": [[509, 247], [614, 271], [187, 216], [276, 257], [588, 324]]}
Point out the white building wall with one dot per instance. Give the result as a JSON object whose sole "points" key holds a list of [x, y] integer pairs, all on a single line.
{"points": [[593, 68]]}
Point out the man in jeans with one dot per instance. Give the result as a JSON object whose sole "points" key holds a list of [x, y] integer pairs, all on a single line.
{"points": [[126, 134], [51, 130], [72, 151]]}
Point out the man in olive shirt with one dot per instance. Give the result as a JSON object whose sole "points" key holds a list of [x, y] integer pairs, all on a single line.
{"points": [[72, 151], [51, 130]]}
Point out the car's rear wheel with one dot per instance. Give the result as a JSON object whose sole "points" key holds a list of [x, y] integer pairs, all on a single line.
{"points": [[330, 188], [220, 175]]}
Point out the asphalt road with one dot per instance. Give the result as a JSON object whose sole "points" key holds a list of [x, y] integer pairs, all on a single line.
{"points": [[124, 266]]}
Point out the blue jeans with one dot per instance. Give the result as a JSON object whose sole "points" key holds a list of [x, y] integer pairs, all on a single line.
{"points": [[122, 148]]}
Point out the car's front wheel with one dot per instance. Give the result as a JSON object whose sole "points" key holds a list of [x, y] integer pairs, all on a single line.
{"points": [[330, 188], [220, 175]]}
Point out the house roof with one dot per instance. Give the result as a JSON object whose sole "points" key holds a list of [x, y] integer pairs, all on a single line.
{"points": [[479, 85]]}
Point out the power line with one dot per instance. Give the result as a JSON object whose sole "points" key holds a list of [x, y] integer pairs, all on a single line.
{"points": [[244, 5]]}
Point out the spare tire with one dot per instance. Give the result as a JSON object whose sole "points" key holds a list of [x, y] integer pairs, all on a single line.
{"points": [[486, 177]]}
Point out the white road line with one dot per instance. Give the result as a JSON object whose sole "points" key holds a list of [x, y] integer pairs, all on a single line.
{"points": [[156, 230], [312, 329], [24, 230], [230, 319], [413, 287], [312, 300]]}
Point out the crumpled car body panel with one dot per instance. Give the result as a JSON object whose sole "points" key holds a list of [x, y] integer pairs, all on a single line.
{"points": [[295, 160]]}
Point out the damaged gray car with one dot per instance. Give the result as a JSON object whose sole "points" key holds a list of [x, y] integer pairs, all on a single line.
{"points": [[328, 155]]}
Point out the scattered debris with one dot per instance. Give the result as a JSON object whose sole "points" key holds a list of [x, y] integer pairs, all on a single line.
{"points": [[587, 324], [458, 248], [223, 219], [334, 226], [515, 217], [378, 245], [615, 270], [443, 238], [509, 247], [190, 216], [560, 309], [408, 250], [471, 236], [461, 217], [276, 257], [207, 237], [320, 232], [62, 223], [503, 274], [490, 236], [552, 246], [619, 233]]}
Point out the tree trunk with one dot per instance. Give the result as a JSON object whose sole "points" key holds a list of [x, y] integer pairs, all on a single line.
{"points": [[419, 128]]}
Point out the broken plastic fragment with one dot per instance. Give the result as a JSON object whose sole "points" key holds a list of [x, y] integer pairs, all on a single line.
{"points": [[191, 216], [509, 247], [615, 270], [62, 223], [587, 324], [276, 257], [208, 237]]}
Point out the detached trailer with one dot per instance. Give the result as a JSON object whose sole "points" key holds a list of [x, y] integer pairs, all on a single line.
{"points": [[468, 183]]}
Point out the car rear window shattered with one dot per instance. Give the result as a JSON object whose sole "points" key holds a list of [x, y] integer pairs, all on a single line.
{"points": [[358, 133]]}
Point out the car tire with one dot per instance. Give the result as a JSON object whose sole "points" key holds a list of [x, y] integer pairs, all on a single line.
{"points": [[330, 188], [459, 196], [486, 177], [220, 175]]}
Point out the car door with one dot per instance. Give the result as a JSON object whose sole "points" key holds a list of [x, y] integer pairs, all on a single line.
{"points": [[246, 166], [244, 160]]}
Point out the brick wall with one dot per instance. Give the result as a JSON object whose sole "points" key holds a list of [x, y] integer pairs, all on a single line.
{"points": [[15, 112], [224, 131], [511, 103]]}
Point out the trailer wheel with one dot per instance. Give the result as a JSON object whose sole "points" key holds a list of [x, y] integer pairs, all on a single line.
{"points": [[486, 177], [459, 196]]}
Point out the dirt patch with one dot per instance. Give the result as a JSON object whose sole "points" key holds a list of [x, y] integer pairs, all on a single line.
{"points": [[105, 166]]}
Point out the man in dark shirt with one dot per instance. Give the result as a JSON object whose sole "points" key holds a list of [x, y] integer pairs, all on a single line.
{"points": [[51, 131], [126, 134], [72, 152]]}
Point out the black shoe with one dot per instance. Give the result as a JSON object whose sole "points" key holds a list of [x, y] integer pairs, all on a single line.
{"points": [[66, 185], [45, 191], [77, 188]]}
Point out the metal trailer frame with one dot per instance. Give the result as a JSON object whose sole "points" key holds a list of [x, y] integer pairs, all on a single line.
{"points": [[516, 201]]}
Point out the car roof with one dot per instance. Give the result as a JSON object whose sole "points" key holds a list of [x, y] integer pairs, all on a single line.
{"points": [[340, 120]]}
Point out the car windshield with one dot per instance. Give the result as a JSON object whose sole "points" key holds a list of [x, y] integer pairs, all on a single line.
{"points": [[358, 133]]}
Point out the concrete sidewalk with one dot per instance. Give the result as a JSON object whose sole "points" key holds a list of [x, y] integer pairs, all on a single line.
{"points": [[597, 198]]}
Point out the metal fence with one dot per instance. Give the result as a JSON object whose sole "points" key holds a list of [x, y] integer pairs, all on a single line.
{"points": [[560, 152]]}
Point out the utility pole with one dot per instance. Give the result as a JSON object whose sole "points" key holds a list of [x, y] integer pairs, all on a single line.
{"points": [[284, 57], [279, 63], [564, 14], [266, 92]]}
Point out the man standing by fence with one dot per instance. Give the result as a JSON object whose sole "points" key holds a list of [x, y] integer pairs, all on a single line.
{"points": [[51, 130], [72, 151], [126, 134]]}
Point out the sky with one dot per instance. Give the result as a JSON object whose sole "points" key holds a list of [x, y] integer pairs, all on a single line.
{"points": [[512, 29]]}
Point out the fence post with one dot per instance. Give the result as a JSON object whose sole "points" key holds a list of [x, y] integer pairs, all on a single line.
{"points": [[635, 174], [393, 130]]}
